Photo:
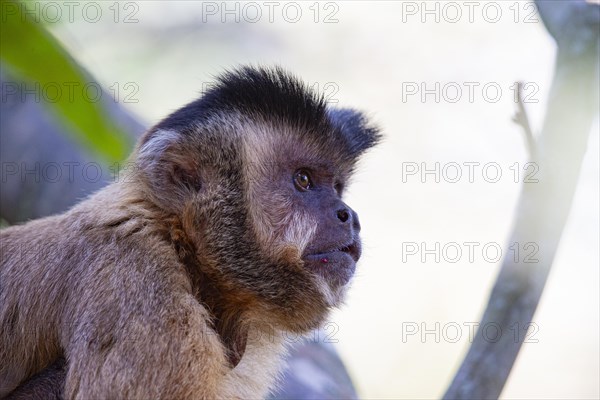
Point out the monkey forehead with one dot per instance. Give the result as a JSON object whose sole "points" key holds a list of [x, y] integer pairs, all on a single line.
{"points": [[268, 148]]}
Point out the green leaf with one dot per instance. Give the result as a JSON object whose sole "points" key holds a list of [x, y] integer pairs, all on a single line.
{"points": [[40, 60]]}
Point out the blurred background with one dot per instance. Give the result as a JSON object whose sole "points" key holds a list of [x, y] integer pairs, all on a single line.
{"points": [[438, 77]]}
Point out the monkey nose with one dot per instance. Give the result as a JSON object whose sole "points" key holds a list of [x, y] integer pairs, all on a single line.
{"points": [[343, 215], [348, 216]]}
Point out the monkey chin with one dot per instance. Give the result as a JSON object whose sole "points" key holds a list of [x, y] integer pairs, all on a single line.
{"points": [[336, 265]]}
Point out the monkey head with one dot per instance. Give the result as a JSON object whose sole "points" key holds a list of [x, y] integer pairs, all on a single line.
{"points": [[252, 174]]}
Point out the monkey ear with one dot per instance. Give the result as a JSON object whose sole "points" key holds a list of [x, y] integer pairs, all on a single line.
{"points": [[170, 173], [360, 134]]}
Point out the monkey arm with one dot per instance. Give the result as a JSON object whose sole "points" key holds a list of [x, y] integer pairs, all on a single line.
{"points": [[178, 357], [32, 297], [111, 294], [139, 332]]}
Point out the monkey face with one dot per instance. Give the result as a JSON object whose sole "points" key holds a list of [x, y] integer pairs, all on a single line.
{"points": [[294, 195], [299, 215], [255, 171]]}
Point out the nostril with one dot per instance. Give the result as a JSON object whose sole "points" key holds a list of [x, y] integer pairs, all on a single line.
{"points": [[343, 215]]}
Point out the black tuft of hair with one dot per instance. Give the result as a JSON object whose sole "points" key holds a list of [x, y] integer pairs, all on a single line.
{"points": [[270, 94], [274, 95]]}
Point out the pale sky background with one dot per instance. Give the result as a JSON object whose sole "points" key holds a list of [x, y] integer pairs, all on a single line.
{"points": [[368, 56]]}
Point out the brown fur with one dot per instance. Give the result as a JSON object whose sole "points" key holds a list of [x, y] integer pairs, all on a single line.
{"points": [[180, 281]]}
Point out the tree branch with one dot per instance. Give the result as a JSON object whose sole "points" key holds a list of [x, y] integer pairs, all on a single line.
{"points": [[544, 205]]}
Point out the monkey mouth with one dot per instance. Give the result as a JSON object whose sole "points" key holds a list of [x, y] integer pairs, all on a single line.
{"points": [[340, 254], [336, 264], [353, 249]]}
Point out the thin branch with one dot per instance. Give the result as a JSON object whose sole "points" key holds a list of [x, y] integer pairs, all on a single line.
{"points": [[521, 118]]}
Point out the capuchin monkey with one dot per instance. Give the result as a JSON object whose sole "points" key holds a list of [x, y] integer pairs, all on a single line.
{"points": [[179, 281]]}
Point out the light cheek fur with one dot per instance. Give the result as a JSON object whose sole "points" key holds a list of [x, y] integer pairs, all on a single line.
{"points": [[281, 233], [282, 229]]}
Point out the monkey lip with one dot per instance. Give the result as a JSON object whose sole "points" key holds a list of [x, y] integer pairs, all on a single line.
{"points": [[352, 249]]}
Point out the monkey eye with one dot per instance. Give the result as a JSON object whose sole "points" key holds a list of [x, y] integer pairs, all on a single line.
{"points": [[302, 180]]}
